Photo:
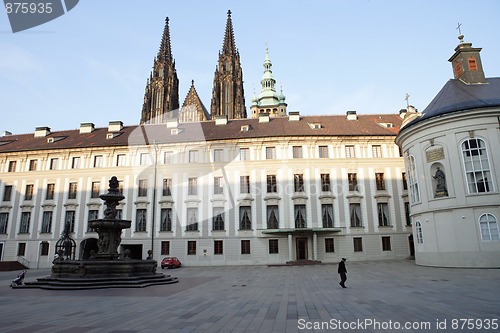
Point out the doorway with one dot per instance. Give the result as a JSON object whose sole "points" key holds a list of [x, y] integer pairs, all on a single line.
{"points": [[135, 251], [411, 245], [87, 246], [301, 248]]}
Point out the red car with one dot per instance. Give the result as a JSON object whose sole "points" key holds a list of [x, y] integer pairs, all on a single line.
{"points": [[170, 262]]}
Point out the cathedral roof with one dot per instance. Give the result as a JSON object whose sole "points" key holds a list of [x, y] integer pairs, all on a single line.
{"points": [[457, 96], [334, 125]]}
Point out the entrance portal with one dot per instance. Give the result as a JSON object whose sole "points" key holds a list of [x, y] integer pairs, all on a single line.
{"points": [[301, 248]]}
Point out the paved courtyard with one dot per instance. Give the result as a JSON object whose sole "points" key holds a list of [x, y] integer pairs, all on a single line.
{"points": [[386, 296]]}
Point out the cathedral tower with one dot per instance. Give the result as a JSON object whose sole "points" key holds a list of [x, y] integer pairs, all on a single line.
{"points": [[227, 94], [162, 88]]}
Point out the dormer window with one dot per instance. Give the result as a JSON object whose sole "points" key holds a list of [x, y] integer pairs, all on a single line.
{"points": [[315, 125], [245, 128], [472, 64]]}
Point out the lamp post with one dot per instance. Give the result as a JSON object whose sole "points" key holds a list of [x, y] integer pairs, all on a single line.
{"points": [[155, 146]]}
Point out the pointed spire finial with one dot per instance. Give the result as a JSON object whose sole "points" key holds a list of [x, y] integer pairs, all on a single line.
{"points": [[229, 46], [229, 13], [407, 97], [192, 83], [165, 51]]}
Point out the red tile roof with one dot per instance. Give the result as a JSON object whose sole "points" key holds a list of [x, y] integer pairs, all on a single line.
{"points": [[334, 125]]}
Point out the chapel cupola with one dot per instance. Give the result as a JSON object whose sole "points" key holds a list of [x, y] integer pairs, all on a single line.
{"points": [[466, 62]]}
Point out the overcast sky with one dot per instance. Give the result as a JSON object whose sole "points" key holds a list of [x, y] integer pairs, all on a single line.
{"points": [[329, 56]]}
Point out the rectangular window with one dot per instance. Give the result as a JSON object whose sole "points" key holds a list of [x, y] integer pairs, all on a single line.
{"points": [[46, 223], [273, 220], [407, 214], [29, 192], [141, 220], [218, 155], [168, 157], [98, 161], [193, 156], [12, 166], [405, 183], [191, 250], [218, 247], [244, 184], [33, 164], [297, 151], [329, 245], [54, 163], [72, 190], [386, 243], [298, 183], [376, 151], [245, 218], [323, 151], [166, 219], [119, 214], [218, 185], [7, 193], [300, 216], [145, 159], [325, 182], [51, 189], [192, 186], [95, 190], [75, 163], [245, 247], [192, 219], [218, 218], [352, 178], [143, 188], [383, 214], [120, 187], [44, 249], [4, 222], [167, 187], [69, 218], [355, 212], [21, 249], [244, 154], [270, 153], [379, 180], [272, 186], [358, 244], [273, 246], [349, 151], [327, 215], [24, 228], [93, 215], [165, 248], [120, 160]]}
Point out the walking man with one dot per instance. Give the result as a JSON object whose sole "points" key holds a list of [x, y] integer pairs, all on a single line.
{"points": [[343, 272]]}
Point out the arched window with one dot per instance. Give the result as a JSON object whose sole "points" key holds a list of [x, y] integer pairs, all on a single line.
{"points": [[489, 227], [472, 64], [412, 179], [477, 166], [419, 233]]}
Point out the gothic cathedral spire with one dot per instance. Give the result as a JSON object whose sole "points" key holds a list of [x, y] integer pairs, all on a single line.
{"points": [[227, 94], [162, 88]]}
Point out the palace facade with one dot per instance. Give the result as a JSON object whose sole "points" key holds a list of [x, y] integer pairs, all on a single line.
{"points": [[229, 190]]}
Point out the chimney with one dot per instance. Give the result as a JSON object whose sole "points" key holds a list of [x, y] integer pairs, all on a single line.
{"points": [[172, 123], [86, 128], [115, 126], [294, 116], [221, 120], [42, 131], [264, 118], [351, 115]]}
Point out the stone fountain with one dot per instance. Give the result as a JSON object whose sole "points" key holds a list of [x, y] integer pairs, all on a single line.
{"points": [[107, 268]]}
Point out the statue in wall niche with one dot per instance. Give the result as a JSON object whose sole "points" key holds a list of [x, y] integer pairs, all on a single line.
{"points": [[440, 178]]}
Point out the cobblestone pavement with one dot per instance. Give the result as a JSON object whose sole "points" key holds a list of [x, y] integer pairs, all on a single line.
{"points": [[382, 296]]}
